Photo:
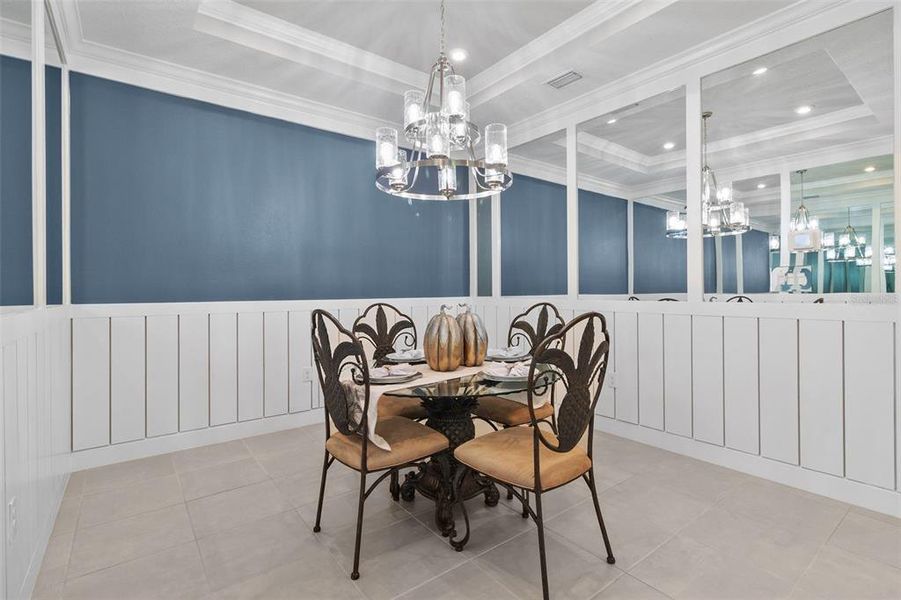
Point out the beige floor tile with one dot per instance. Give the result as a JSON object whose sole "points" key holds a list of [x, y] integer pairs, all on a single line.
{"points": [[394, 559], [232, 508], [58, 551], [572, 572], [341, 511], [253, 548], [629, 588], [555, 501], [67, 517], [683, 568], [126, 473], [173, 573], [702, 481], [869, 537], [134, 499], [291, 461], [281, 441], [75, 485], [206, 456], [466, 581], [207, 481], [115, 542], [876, 515], [315, 577], [49, 583], [840, 575], [303, 488]]}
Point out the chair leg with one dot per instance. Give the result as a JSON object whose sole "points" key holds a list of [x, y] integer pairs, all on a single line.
{"points": [[394, 486], [525, 503], [539, 521], [325, 466], [597, 508], [355, 574]]}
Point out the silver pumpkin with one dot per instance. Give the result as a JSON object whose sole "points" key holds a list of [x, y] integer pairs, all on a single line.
{"points": [[475, 338], [443, 342]]}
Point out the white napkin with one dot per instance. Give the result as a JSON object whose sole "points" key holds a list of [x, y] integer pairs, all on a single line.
{"points": [[411, 354], [506, 352], [520, 369], [357, 396], [496, 368], [392, 370]]}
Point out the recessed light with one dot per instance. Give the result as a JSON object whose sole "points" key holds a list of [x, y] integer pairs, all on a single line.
{"points": [[759, 71], [804, 109], [611, 121], [669, 146], [458, 54], [760, 186], [870, 169]]}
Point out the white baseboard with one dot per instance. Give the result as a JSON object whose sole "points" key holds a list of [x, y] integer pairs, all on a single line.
{"points": [[845, 490], [96, 457]]}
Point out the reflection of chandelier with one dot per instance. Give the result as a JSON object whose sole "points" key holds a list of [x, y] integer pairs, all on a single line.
{"points": [[437, 125], [720, 214], [850, 247], [804, 230], [888, 258]]}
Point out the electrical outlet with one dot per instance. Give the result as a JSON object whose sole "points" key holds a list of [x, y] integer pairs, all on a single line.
{"points": [[308, 373], [12, 520], [611, 380]]}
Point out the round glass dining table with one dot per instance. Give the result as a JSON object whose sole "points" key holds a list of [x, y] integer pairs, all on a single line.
{"points": [[449, 404]]}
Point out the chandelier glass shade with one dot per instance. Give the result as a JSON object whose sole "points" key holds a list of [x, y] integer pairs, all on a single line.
{"points": [[721, 215], [850, 247], [442, 143]]}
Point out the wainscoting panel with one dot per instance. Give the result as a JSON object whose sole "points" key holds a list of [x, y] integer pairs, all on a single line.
{"points": [[869, 403], [193, 371], [250, 366], [607, 402], [223, 368], [740, 384], [677, 374], [707, 382], [275, 359], [821, 396], [162, 375], [127, 377], [300, 352], [626, 362], [90, 383], [779, 389], [650, 370]]}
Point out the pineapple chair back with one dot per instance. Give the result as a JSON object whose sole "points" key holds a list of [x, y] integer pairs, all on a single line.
{"points": [[535, 459], [360, 441]]}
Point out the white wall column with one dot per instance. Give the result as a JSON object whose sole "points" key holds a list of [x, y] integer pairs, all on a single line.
{"points": [[877, 278], [38, 158], [572, 213], [630, 244], [785, 214], [695, 242]]}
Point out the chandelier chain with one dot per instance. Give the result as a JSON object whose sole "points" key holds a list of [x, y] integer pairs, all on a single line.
{"points": [[443, 41]]}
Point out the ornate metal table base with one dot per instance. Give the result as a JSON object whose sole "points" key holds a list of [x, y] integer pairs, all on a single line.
{"points": [[452, 416]]}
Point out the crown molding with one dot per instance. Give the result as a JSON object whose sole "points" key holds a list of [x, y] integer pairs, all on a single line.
{"points": [[554, 174], [514, 69], [265, 33]]}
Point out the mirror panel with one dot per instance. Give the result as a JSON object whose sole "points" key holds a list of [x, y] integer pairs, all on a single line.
{"points": [[54, 182]]}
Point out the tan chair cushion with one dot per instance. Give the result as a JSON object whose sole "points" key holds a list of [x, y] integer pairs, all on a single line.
{"points": [[509, 412], [408, 439], [506, 455], [394, 406]]}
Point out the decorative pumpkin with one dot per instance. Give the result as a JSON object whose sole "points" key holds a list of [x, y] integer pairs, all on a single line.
{"points": [[443, 342], [475, 338]]}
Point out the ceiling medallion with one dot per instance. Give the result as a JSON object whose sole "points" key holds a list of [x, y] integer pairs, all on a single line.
{"points": [[443, 142]]}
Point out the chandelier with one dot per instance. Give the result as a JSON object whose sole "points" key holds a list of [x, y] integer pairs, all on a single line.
{"points": [[720, 214], [804, 230], [851, 247], [442, 143]]}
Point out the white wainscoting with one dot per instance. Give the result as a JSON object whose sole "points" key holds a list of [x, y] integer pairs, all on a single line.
{"points": [[802, 394], [34, 424], [152, 378]]}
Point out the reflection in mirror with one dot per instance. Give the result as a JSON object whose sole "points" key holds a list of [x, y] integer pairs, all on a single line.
{"points": [[633, 155], [533, 219], [823, 106], [16, 284], [54, 184]]}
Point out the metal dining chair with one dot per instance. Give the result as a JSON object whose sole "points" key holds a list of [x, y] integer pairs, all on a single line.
{"points": [[341, 364], [529, 458]]}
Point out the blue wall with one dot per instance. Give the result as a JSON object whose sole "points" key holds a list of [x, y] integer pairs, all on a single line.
{"points": [[730, 274], [603, 248], [178, 200], [16, 287], [483, 237], [54, 187], [660, 262], [533, 238], [755, 252]]}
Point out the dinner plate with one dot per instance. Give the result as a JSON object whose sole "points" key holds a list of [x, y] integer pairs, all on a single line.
{"points": [[506, 378], [506, 358], [393, 378], [398, 357]]}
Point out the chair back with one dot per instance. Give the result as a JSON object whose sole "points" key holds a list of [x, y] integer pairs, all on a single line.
{"points": [[582, 376], [339, 357], [385, 328], [536, 323]]}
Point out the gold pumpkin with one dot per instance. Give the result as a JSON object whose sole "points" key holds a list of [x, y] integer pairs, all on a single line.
{"points": [[475, 338], [443, 342]]}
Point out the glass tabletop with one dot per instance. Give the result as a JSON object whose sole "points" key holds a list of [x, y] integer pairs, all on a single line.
{"points": [[474, 386]]}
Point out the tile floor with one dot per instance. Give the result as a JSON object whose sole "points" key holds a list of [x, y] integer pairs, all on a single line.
{"points": [[234, 520]]}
